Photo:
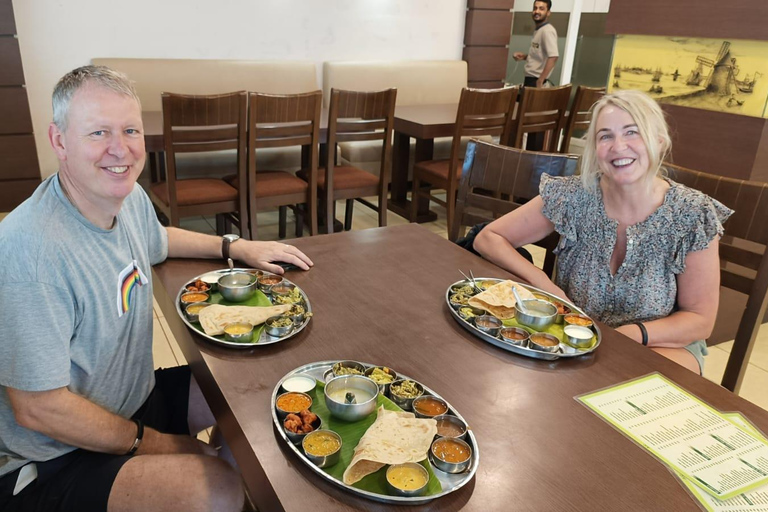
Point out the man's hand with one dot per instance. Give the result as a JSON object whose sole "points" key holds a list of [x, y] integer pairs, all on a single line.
{"points": [[263, 255], [519, 56], [155, 443]]}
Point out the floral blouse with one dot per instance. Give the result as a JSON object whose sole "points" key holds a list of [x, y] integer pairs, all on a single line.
{"points": [[644, 287]]}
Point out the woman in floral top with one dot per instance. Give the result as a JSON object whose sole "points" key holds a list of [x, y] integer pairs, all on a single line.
{"points": [[637, 250]]}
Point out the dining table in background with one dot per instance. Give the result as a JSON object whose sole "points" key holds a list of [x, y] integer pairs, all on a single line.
{"points": [[378, 296]]}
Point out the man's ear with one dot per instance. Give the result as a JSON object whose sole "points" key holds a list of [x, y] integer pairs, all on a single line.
{"points": [[57, 140]]}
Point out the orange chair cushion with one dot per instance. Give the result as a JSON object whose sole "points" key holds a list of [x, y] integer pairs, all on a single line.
{"points": [[273, 183], [192, 192], [435, 171], [345, 177]]}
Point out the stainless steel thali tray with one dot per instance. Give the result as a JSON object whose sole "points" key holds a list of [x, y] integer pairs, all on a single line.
{"points": [[564, 350], [260, 299], [449, 482]]}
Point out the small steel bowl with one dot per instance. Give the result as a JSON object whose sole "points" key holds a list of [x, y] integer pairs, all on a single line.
{"points": [[282, 413], [420, 401], [212, 280], [360, 367], [451, 420], [449, 467], [267, 281], [188, 298], [235, 337], [576, 319], [539, 314], [383, 388], [297, 318], [405, 403], [397, 491], [455, 297], [565, 311], [237, 286], [346, 411], [322, 461], [190, 287], [544, 342], [299, 383], [282, 288], [466, 286], [278, 331], [194, 317], [578, 336], [298, 438], [475, 312], [516, 336], [488, 324]]}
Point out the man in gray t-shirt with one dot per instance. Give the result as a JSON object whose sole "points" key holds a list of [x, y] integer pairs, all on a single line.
{"points": [[76, 347], [543, 54]]}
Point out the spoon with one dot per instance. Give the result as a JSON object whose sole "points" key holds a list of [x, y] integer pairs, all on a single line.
{"points": [[231, 265], [519, 301], [471, 280]]}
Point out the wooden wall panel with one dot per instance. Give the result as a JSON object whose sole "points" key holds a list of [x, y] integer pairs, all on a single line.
{"points": [[13, 193], [7, 23], [14, 107], [18, 158], [486, 62], [11, 72], [714, 142], [491, 4], [487, 28], [737, 19]]}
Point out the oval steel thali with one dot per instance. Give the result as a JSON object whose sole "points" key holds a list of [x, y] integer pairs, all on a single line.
{"points": [[563, 350], [448, 482], [259, 299]]}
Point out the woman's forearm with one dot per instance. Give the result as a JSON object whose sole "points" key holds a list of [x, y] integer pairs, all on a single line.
{"points": [[677, 330]]}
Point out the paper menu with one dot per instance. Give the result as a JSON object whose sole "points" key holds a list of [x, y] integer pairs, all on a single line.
{"points": [[752, 501], [688, 435]]}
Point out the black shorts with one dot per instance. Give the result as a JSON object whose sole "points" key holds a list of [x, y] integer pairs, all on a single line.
{"points": [[82, 480]]}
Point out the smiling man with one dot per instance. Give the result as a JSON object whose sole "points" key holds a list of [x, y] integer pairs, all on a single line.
{"points": [[85, 421]]}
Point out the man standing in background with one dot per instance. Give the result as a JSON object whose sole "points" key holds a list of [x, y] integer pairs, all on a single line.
{"points": [[541, 57]]}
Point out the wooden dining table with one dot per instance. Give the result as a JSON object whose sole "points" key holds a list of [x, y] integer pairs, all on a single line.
{"points": [[378, 296]]}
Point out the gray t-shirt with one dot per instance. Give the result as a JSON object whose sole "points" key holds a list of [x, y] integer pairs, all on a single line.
{"points": [[543, 46], [75, 310]]}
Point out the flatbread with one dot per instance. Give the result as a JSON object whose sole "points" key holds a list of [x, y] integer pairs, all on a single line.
{"points": [[215, 317], [499, 300], [394, 438]]}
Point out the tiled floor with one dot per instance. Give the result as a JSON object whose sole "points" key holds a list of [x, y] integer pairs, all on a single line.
{"points": [[167, 352]]}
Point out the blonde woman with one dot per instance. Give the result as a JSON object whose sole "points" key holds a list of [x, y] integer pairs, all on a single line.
{"points": [[637, 250]]}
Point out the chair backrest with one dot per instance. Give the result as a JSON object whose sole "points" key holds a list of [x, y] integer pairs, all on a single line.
{"points": [[541, 110], [196, 124], [505, 172], [580, 114], [743, 261], [482, 112]]}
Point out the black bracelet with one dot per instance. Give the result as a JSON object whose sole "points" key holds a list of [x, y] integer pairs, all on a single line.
{"points": [[139, 436], [644, 332]]}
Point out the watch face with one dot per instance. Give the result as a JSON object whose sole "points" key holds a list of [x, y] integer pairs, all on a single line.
{"points": [[232, 238]]}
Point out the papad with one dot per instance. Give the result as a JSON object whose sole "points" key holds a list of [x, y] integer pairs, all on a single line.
{"points": [[215, 317], [499, 300], [394, 438]]}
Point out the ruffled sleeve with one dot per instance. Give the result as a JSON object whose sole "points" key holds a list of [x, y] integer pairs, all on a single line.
{"points": [[561, 196], [701, 220]]}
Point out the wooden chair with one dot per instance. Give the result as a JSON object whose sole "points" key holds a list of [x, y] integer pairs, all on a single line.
{"points": [[197, 124], [580, 114], [276, 121], [541, 110], [743, 261], [481, 112], [507, 172], [356, 116]]}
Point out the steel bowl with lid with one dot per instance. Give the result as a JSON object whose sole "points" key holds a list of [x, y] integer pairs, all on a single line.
{"points": [[237, 286], [539, 314], [351, 397]]}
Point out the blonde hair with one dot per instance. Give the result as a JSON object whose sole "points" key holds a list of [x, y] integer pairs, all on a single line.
{"points": [[70, 83], [651, 125]]}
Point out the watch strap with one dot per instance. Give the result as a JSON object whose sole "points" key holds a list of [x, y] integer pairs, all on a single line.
{"points": [[225, 242], [139, 436]]}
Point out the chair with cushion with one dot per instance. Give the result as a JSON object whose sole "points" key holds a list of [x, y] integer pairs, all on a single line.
{"points": [[202, 124], [580, 114], [277, 121], [480, 112], [356, 116], [507, 173], [541, 111], [743, 261]]}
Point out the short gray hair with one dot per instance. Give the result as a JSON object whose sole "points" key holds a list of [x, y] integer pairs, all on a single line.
{"points": [[70, 83]]}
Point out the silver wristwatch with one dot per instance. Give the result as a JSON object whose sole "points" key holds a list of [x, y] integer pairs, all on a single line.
{"points": [[226, 241]]}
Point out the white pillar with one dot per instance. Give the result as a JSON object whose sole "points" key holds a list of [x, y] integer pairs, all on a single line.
{"points": [[570, 42]]}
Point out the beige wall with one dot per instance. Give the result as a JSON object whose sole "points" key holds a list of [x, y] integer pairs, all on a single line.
{"points": [[56, 36]]}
